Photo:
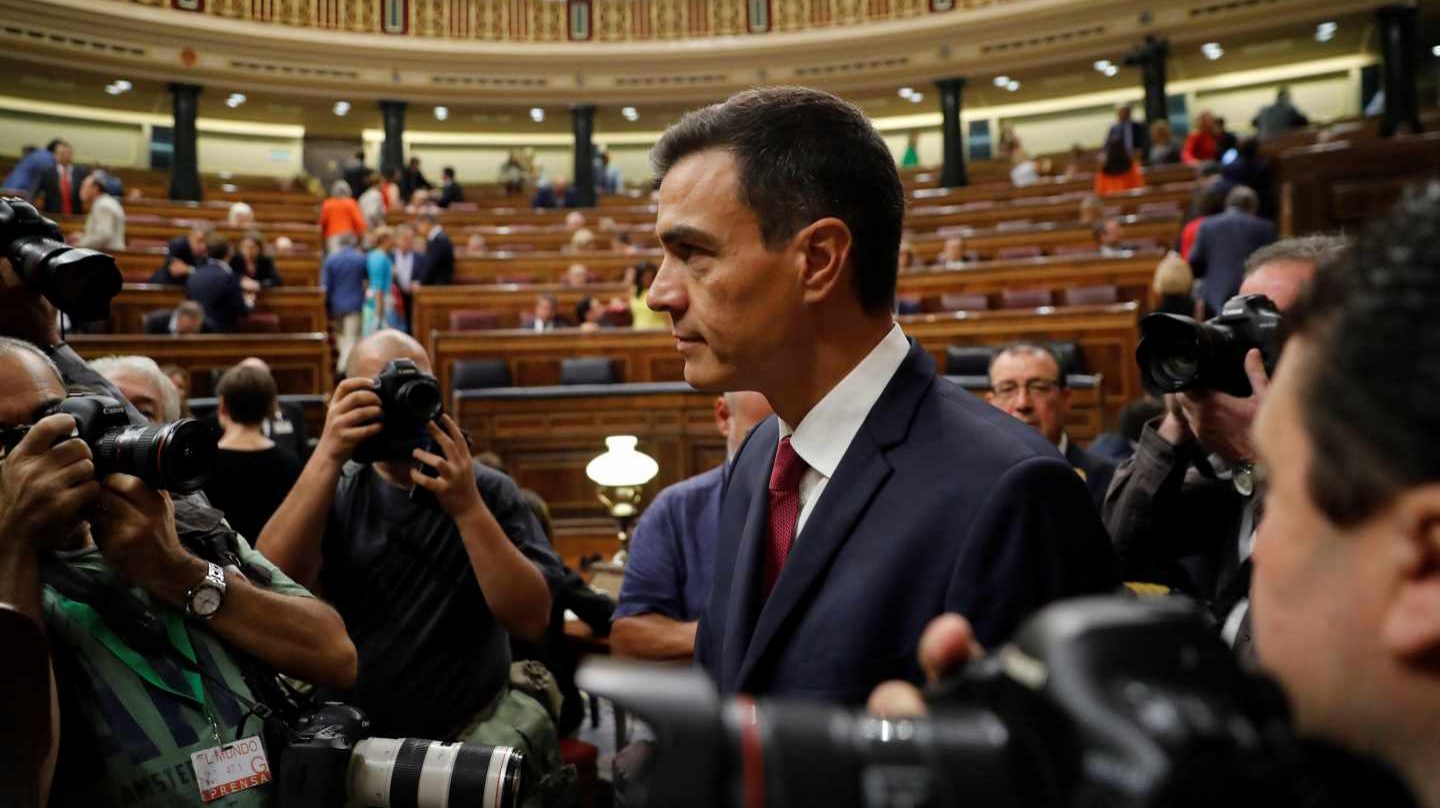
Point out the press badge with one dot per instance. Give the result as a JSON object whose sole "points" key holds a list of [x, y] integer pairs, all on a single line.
{"points": [[230, 769]]}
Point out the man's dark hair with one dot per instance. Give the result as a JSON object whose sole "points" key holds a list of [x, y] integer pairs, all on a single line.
{"points": [[217, 247], [1033, 349], [1370, 400], [248, 394], [55, 144], [447, 172], [803, 155], [1317, 250]]}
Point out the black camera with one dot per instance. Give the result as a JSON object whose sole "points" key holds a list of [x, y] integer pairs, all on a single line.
{"points": [[331, 762], [77, 281], [1098, 702], [1178, 353], [167, 457], [409, 399]]}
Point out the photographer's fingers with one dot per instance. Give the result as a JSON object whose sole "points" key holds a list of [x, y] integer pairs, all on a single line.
{"points": [[896, 699], [453, 430], [44, 435], [445, 442], [946, 645], [1255, 369], [431, 484], [430, 459]]}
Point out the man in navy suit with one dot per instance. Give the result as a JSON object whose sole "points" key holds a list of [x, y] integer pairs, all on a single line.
{"points": [[217, 289], [438, 268], [1224, 242], [1131, 133], [881, 495]]}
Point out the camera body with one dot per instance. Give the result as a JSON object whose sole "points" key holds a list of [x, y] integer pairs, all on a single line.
{"points": [[169, 457], [1096, 702], [1177, 353], [332, 762], [409, 399]]}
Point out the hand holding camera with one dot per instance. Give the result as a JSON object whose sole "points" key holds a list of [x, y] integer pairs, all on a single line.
{"points": [[354, 415], [1221, 422], [134, 527], [453, 480], [46, 483]]}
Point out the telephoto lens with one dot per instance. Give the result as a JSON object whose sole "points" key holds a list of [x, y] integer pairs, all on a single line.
{"points": [[169, 457], [75, 280], [388, 772]]}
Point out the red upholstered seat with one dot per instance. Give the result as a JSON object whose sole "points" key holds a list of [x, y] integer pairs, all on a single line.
{"points": [[1026, 298], [1007, 253], [260, 323], [964, 302], [1090, 296], [474, 320]]}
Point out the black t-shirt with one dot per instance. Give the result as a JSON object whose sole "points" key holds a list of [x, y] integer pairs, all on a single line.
{"points": [[431, 653], [249, 486]]}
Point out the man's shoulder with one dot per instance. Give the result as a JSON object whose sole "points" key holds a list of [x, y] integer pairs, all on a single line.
{"points": [[702, 485], [963, 426]]}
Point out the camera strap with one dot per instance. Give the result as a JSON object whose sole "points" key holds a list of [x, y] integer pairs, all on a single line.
{"points": [[135, 634]]}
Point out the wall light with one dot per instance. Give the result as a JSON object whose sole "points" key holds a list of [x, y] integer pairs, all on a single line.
{"points": [[1212, 50], [1002, 81], [342, 108], [537, 114], [441, 113], [1325, 31], [630, 114], [235, 100], [1012, 86]]}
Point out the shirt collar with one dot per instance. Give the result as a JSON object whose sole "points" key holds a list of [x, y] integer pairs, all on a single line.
{"points": [[434, 231], [824, 435], [1064, 445]]}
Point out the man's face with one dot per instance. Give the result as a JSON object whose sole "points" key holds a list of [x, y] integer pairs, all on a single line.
{"points": [[64, 154], [732, 302], [197, 244], [1319, 592], [89, 189], [1027, 386], [141, 392], [954, 249], [1282, 281], [189, 324], [1110, 233], [1123, 114], [738, 413], [544, 309], [404, 240], [560, 186]]}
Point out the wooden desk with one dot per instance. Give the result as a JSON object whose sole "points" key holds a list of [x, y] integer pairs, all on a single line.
{"points": [[301, 363], [434, 304], [300, 309], [295, 270]]}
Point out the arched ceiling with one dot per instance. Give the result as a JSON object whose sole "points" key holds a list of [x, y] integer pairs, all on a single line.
{"points": [[854, 50]]}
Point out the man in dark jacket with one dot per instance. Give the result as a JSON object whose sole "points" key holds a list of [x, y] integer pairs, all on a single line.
{"points": [[217, 289], [182, 255], [1224, 242], [439, 252]]}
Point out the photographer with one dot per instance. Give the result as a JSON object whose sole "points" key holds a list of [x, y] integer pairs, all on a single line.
{"points": [[1347, 579], [130, 714], [432, 559], [1182, 510]]}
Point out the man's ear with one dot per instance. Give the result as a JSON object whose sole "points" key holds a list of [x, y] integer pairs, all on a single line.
{"points": [[1411, 626], [722, 415], [824, 250]]}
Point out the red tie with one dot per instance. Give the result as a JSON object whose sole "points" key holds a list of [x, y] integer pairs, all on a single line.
{"points": [[65, 206], [784, 509]]}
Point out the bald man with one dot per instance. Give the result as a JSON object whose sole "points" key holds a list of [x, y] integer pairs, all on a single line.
{"points": [[432, 559]]}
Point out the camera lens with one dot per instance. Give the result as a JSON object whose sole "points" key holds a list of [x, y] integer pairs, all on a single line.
{"points": [[419, 399], [411, 771], [173, 457], [1172, 353], [77, 281]]}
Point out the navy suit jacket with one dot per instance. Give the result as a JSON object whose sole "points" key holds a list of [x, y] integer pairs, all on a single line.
{"points": [[216, 288], [438, 269], [941, 503], [1099, 471], [1221, 247]]}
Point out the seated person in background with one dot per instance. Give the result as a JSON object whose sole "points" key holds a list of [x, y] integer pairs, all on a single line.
{"points": [[641, 315], [217, 289], [590, 314], [1119, 445], [558, 194], [672, 551], [576, 276], [286, 422], [180, 378], [127, 717], [581, 241], [1182, 511], [182, 255], [1107, 238], [240, 215], [450, 190], [1026, 381], [545, 317], [251, 262], [1092, 210], [574, 220], [909, 261], [431, 583], [141, 381], [952, 252], [187, 318], [343, 277], [105, 222], [252, 475], [419, 202], [475, 245]]}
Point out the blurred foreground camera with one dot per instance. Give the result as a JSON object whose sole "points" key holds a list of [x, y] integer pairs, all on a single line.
{"points": [[409, 399], [1098, 702], [332, 763], [166, 457], [77, 281], [1178, 353]]}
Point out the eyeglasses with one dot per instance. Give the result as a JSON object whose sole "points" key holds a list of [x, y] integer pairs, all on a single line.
{"points": [[1035, 387]]}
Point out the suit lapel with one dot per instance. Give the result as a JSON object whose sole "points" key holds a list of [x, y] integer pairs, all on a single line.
{"points": [[745, 579], [861, 473]]}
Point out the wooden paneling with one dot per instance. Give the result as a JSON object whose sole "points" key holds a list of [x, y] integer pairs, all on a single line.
{"points": [[301, 363], [1106, 336], [301, 309], [1344, 184]]}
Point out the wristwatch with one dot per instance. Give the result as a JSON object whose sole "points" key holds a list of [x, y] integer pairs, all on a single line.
{"points": [[204, 599]]}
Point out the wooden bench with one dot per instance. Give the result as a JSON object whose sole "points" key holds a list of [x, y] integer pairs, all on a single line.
{"points": [[306, 234], [301, 309], [546, 435], [1106, 336], [298, 270], [301, 363]]}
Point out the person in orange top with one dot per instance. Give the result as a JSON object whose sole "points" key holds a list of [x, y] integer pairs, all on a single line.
{"points": [[339, 215], [1202, 146], [1119, 170]]}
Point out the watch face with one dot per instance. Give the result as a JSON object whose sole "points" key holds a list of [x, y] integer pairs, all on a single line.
{"points": [[206, 601]]}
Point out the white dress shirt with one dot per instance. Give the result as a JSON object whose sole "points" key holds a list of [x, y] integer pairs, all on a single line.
{"points": [[404, 269], [825, 434]]}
